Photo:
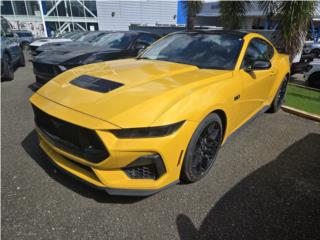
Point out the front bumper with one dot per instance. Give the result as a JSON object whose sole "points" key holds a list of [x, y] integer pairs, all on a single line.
{"points": [[45, 72], [110, 173]]}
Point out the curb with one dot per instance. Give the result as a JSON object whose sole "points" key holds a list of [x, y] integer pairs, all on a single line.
{"points": [[300, 113], [303, 86]]}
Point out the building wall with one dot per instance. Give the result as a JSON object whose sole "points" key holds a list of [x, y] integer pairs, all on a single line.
{"points": [[118, 15]]}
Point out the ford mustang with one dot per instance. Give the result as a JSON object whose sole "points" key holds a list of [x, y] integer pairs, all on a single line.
{"points": [[136, 126]]}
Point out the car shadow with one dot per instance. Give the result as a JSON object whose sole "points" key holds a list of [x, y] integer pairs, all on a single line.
{"points": [[30, 145], [280, 200]]}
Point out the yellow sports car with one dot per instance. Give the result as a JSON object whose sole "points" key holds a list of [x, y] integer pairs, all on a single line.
{"points": [[136, 126]]}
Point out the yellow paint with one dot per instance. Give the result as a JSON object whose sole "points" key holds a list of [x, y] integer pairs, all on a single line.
{"points": [[155, 93]]}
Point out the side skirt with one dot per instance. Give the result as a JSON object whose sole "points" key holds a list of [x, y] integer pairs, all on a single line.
{"points": [[236, 132]]}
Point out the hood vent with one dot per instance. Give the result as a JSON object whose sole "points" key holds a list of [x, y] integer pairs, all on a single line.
{"points": [[95, 84]]}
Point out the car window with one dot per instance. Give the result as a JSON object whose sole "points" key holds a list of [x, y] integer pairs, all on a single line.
{"points": [[213, 51], [258, 49], [147, 38], [24, 34], [117, 40]]}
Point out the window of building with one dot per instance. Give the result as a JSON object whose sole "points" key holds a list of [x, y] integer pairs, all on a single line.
{"points": [[77, 9], [6, 8], [92, 6], [33, 7], [19, 7]]}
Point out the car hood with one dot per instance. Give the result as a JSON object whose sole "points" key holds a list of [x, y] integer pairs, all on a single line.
{"points": [[149, 89], [65, 46], [63, 55], [41, 42]]}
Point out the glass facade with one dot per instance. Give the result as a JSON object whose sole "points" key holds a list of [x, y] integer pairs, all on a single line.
{"points": [[58, 16]]}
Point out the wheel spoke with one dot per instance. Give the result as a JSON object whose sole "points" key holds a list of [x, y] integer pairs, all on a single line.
{"points": [[206, 148]]}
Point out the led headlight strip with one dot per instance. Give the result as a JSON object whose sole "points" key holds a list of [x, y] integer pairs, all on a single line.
{"points": [[147, 132]]}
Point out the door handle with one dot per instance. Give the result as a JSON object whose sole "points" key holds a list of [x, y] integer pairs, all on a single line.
{"points": [[272, 73]]}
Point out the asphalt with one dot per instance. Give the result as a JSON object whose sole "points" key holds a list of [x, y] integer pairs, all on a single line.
{"points": [[265, 184]]}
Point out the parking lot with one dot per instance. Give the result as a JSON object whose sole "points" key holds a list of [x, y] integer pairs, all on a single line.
{"points": [[265, 184]]}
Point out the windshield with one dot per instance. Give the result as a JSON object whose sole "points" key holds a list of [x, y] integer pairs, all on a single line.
{"points": [[78, 35], [66, 34], [91, 36], [114, 40], [204, 50]]}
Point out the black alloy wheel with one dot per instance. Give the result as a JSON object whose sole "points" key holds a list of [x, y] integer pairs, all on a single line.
{"points": [[22, 61], [8, 69], [314, 80], [202, 149]]}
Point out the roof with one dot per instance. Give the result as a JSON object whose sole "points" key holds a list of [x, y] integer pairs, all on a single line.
{"points": [[240, 34]]}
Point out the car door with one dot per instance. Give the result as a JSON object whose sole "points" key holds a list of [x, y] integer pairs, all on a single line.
{"points": [[11, 41], [257, 84]]}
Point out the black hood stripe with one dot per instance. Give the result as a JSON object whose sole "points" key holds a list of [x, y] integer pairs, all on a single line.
{"points": [[95, 84]]}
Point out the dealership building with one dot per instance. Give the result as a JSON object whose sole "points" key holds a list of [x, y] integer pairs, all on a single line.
{"points": [[48, 17]]}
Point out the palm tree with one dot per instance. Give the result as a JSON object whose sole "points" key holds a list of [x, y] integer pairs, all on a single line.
{"points": [[232, 13], [192, 7], [294, 18]]}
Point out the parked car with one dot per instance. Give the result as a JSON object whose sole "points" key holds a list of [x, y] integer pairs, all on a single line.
{"points": [[11, 53], [312, 74], [136, 126], [301, 66], [77, 42], [115, 45], [25, 37], [312, 48], [63, 38]]}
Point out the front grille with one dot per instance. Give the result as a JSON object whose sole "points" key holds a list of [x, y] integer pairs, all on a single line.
{"points": [[41, 81], [46, 69], [81, 142], [142, 172], [146, 167]]}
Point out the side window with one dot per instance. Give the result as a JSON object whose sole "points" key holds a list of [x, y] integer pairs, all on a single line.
{"points": [[147, 38], [258, 49]]}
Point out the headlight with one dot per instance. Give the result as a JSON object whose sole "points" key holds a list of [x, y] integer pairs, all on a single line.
{"points": [[147, 132]]}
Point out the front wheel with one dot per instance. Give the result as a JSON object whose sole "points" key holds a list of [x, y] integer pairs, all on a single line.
{"points": [[202, 149], [8, 69], [314, 80], [279, 98], [22, 61]]}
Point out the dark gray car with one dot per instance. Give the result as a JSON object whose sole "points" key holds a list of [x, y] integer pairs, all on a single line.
{"points": [[11, 52]]}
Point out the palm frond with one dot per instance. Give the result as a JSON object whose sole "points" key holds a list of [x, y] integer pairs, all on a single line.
{"points": [[232, 13], [294, 20]]}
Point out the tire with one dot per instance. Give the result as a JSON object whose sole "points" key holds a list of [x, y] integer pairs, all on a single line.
{"points": [[315, 53], [22, 60], [314, 80], [279, 98], [202, 149], [8, 68]]}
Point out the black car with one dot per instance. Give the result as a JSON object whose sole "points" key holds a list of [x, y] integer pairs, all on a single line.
{"points": [[114, 45], [78, 41]]}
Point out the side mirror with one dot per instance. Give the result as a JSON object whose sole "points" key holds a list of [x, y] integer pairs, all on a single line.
{"points": [[257, 65]]}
